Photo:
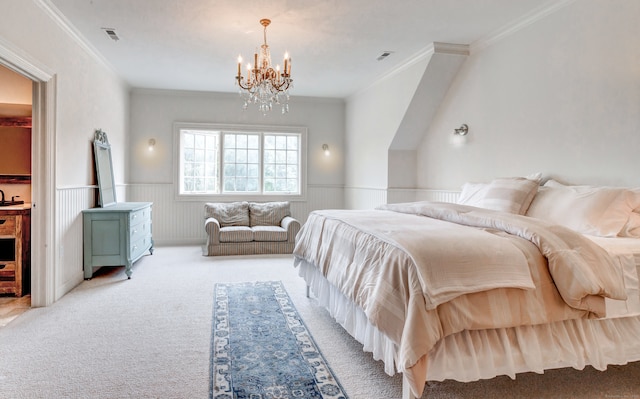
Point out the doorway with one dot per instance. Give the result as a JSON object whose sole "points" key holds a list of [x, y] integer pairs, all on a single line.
{"points": [[42, 221], [15, 189]]}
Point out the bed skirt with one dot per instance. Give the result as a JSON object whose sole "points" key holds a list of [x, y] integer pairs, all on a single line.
{"points": [[483, 354]]}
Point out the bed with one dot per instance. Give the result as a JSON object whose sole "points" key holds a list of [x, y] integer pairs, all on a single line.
{"points": [[515, 277]]}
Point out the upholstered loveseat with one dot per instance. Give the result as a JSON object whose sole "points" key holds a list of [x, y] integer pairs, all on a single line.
{"points": [[247, 228]]}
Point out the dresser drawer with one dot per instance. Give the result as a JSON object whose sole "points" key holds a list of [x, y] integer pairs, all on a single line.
{"points": [[139, 231], [139, 216], [7, 225], [140, 246], [8, 282], [7, 271]]}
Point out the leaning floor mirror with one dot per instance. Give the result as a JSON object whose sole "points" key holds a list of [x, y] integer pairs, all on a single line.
{"points": [[104, 170]]}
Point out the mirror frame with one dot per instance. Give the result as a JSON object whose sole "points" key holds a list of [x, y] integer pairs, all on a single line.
{"points": [[104, 169]]}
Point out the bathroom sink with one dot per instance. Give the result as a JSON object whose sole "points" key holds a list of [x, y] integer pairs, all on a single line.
{"points": [[11, 203]]}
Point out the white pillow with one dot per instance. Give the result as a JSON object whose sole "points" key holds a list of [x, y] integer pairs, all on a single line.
{"points": [[472, 193], [511, 194], [599, 211]]}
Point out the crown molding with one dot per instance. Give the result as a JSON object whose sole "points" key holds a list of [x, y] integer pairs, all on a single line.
{"points": [[545, 10], [52, 11], [463, 49], [451, 48]]}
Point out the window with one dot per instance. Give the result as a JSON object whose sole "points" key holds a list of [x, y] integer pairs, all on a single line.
{"points": [[236, 161]]}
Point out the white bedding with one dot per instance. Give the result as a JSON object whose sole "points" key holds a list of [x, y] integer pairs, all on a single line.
{"points": [[509, 350], [627, 251]]}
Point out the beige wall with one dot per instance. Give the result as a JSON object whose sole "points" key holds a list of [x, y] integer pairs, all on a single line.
{"points": [[14, 88]]}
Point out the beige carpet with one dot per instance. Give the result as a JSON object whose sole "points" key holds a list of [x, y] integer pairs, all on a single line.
{"points": [[149, 337]]}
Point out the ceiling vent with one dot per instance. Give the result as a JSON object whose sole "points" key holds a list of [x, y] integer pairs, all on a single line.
{"points": [[111, 33], [384, 55]]}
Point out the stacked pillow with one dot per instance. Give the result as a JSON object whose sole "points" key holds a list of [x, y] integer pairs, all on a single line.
{"points": [[509, 194], [598, 211]]}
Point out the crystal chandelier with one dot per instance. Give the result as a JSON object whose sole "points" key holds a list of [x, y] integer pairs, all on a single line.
{"points": [[263, 85]]}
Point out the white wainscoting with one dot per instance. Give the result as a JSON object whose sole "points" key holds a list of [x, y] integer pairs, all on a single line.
{"points": [[437, 195], [70, 202], [364, 198], [369, 198], [182, 222]]}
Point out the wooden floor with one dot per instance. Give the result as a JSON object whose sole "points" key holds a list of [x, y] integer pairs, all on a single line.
{"points": [[12, 307]]}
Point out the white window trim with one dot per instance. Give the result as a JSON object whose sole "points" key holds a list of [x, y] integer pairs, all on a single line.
{"points": [[228, 197]]}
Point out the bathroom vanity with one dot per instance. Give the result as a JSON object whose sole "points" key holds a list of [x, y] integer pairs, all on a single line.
{"points": [[15, 225]]}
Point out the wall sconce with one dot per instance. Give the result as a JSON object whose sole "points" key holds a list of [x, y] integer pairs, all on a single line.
{"points": [[462, 130], [152, 144], [325, 148]]}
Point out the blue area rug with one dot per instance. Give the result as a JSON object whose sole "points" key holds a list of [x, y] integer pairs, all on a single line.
{"points": [[261, 348]]}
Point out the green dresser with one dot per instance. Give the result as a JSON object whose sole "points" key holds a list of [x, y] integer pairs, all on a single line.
{"points": [[116, 235]]}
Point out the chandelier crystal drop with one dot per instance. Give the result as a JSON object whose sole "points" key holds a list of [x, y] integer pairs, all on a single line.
{"points": [[264, 85]]}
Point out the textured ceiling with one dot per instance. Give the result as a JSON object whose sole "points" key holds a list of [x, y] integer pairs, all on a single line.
{"points": [[334, 44]]}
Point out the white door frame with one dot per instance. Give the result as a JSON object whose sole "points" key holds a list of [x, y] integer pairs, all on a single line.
{"points": [[43, 164]]}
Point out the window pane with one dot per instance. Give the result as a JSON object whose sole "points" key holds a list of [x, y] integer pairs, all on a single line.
{"points": [[253, 156], [292, 142], [229, 141], [240, 162], [241, 156], [252, 184], [188, 169], [210, 185], [189, 155], [269, 142], [199, 161], [253, 170], [292, 171], [229, 170], [253, 142], [292, 157], [229, 155], [269, 171], [198, 169], [241, 141], [269, 156], [250, 162], [188, 140]]}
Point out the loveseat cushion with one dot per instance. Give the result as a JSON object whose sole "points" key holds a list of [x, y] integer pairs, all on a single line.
{"points": [[236, 234], [268, 213], [228, 214], [269, 233]]}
